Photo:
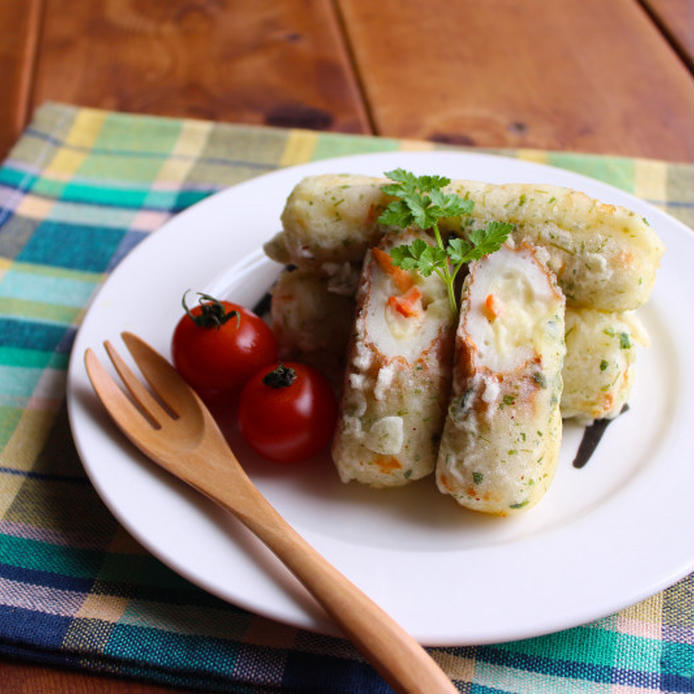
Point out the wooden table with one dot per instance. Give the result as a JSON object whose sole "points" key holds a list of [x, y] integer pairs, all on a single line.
{"points": [[605, 76]]}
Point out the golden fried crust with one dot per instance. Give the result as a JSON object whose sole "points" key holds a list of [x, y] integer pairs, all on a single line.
{"points": [[599, 364], [605, 257]]}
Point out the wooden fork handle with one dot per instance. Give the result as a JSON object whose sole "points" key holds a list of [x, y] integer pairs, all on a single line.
{"points": [[204, 460], [397, 657]]}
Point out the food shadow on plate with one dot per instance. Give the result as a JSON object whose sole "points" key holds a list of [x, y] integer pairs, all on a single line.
{"points": [[316, 482]]}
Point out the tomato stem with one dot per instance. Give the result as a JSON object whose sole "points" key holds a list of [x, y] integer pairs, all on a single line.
{"points": [[281, 377], [212, 312]]}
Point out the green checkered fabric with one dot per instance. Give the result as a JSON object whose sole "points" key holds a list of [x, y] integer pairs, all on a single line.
{"points": [[79, 190]]}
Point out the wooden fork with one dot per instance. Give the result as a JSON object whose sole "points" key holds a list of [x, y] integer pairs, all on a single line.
{"points": [[183, 438]]}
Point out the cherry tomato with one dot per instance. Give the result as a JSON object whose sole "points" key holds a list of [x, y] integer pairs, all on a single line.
{"points": [[287, 412], [217, 346]]}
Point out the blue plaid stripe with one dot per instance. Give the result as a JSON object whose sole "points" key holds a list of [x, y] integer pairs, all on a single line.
{"points": [[74, 589]]}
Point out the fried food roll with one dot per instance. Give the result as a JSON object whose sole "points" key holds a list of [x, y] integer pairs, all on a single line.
{"points": [[502, 433], [397, 375], [598, 367], [311, 323], [605, 257], [329, 222]]}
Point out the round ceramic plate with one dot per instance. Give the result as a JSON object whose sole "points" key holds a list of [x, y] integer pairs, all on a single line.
{"points": [[604, 537]]}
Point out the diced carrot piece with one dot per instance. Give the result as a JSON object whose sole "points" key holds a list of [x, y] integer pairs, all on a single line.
{"points": [[374, 211], [492, 308], [388, 464], [446, 483], [406, 304], [401, 278]]}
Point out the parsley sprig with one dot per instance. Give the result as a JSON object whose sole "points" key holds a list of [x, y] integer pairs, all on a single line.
{"points": [[420, 201]]}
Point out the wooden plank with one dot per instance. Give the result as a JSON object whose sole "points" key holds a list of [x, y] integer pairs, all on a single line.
{"points": [[21, 22], [584, 75], [23, 678], [676, 19], [275, 62]]}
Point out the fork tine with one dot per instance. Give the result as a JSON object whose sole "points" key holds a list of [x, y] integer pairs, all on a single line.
{"points": [[122, 411], [142, 396], [166, 382]]}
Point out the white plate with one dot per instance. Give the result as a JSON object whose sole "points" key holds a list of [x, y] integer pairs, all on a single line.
{"points": [[604, 537]]}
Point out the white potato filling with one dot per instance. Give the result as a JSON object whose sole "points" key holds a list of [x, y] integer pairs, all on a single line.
{"points": [[400, 336], [508, 304], [385, 436]]}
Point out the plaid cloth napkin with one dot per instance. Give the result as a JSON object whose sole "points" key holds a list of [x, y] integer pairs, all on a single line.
{"points": [[80, 189]]}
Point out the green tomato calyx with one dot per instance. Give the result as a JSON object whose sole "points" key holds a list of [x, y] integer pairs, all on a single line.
{"points": [[213, 313], [281, 377]]}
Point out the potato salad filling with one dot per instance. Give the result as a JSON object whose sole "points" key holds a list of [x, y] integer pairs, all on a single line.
{"points": [[505, 319]]}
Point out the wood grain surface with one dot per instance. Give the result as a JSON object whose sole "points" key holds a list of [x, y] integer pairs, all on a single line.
{"points": [[589, 76], [252, 61], [21, 24], [675, 18], [27, 678], [585, 75]]}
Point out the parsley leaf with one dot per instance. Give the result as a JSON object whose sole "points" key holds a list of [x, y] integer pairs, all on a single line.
{"points": [[419, 256], [486, 241], [397, 214], [458, 250], [421, 201]]}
